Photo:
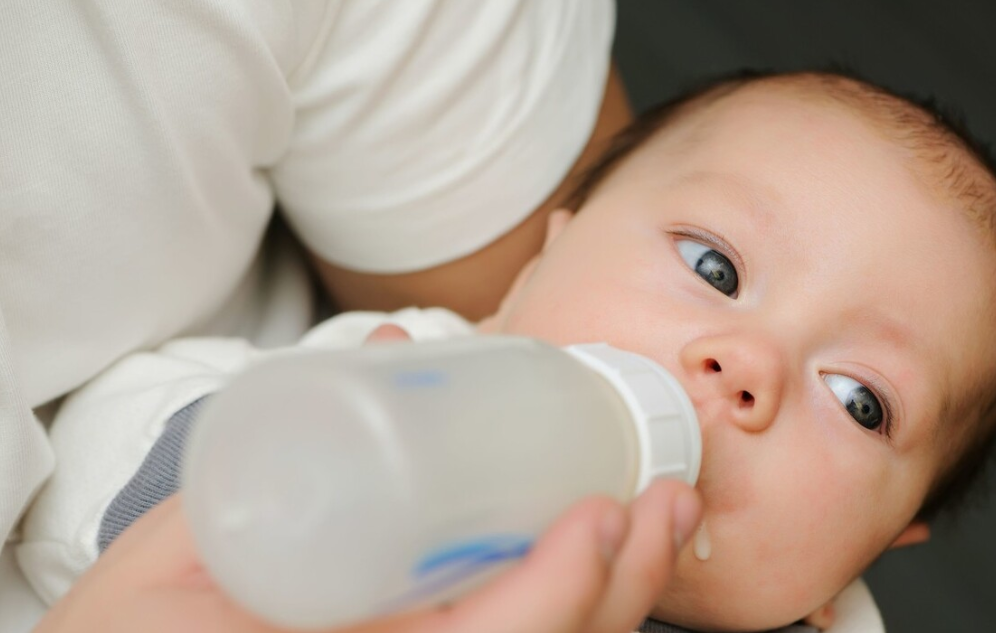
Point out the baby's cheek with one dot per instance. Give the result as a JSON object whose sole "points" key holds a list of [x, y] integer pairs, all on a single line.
{"points": [[731, 478], [751, 581], [769, 523]]}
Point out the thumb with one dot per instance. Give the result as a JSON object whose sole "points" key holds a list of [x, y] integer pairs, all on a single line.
{"points": [[559, 584]]}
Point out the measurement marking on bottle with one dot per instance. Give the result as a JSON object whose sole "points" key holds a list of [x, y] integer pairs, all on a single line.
{"points": [[419, 379], [474, 553], [447, 566]]}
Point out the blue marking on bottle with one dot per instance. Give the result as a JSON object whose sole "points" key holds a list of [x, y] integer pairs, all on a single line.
{"points": [[487, 549], [451, 564], [419, 379]]}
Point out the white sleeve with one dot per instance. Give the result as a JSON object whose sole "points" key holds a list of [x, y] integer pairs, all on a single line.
{"points": [[426, 129], [101, 436]]}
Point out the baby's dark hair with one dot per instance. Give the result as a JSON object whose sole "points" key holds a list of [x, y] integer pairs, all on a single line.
{"points": [[944, 153]]}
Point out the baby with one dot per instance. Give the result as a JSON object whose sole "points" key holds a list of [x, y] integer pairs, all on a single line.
{"points": [[810, 256], [813, 259]]}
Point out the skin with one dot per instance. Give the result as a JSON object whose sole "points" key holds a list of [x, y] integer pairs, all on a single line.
{"points": [[849, 265]]}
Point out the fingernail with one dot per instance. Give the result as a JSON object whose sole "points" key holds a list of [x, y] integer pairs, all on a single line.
{"points": [[686, 512], [611, 531]]}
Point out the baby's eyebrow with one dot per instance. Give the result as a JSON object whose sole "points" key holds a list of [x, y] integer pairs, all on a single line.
{"points": [[756, 198], [885, 327], [892, 330]]}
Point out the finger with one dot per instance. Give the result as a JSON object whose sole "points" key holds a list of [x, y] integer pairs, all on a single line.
{"points": [[662, 519], [156, 529], [149, 523], [160, 554], [555, 588], [145, 558], [159, 549], [387, 332]]}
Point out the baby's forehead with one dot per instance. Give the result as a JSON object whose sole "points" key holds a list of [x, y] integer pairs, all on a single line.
{"points": [[946, 165], [800, 151], [806, 112], [816, 95], [829, 158]]}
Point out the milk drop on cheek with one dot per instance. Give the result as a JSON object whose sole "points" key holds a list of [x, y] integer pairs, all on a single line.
{"points": [[702, 546]]}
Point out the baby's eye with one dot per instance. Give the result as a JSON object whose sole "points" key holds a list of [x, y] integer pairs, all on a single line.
{"points": [[858, 399], [711, 265]]}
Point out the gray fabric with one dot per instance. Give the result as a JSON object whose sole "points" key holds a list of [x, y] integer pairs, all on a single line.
{"points": [[157, 478], [655, 626]]}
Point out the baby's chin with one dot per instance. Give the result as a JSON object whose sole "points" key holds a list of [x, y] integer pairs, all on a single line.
{"points": [[700, 605], [716, 617]]}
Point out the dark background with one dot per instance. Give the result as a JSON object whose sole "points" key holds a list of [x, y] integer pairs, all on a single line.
{"points": [[946, 49]]}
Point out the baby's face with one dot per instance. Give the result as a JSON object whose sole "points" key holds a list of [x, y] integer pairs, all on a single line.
{"points": [[821, 307]]}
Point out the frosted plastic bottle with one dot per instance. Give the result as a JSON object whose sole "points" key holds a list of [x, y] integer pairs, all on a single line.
{"points": [[329, 487]]}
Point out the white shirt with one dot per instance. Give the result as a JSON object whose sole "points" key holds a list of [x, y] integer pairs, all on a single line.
{"points": [[142, 145]]}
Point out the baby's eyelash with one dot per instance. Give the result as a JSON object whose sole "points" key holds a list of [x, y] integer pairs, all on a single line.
{"points": [[876, 388], [880, 393], [717, 243]]}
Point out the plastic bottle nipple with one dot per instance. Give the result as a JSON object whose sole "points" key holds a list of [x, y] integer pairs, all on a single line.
{"points": [[702, 545]]}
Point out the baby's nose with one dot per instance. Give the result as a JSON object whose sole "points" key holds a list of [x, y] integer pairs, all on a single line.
{"points": [[739, 377]]}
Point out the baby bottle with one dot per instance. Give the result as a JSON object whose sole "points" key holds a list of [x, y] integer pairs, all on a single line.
{"points": [[327, 487]]}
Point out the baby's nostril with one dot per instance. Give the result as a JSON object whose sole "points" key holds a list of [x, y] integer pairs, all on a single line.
{"points": [[712, 365], [746, 400]]}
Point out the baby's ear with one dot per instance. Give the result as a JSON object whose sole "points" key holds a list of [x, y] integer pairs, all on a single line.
{"points": [[915, 533], [555, 223]]}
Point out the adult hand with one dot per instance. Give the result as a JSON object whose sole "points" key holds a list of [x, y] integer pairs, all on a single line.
{"points": [[598, 569]]}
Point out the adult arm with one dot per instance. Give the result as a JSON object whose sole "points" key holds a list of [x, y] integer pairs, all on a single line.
{"points": [[432, 138], [474, 285]]}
